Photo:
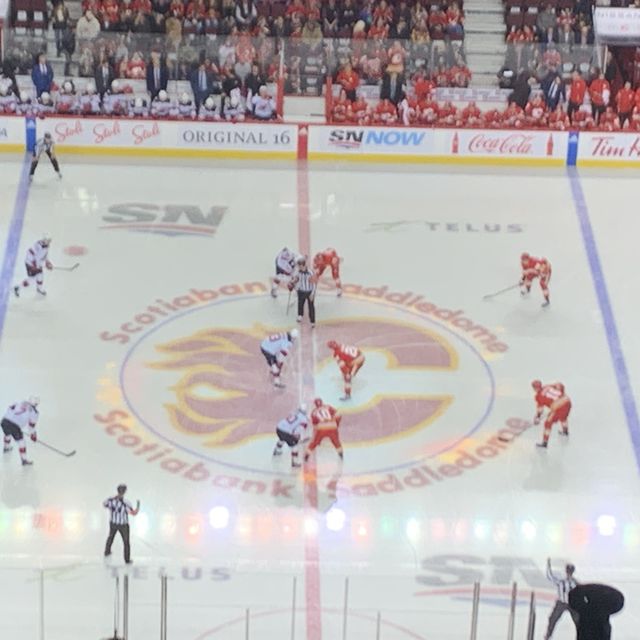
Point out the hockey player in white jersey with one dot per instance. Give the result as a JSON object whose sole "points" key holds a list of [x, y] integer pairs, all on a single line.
{"points": [[44, 105], [290, 431], [26, 105], [44, 145], [186, 107], [209, 110], [37, 258], [8, 100], [232, 106], [275, 348], [285, 265], [19, 417], [116, 101], [162, 106], [138, 107], [67, 102], [89, 100]]}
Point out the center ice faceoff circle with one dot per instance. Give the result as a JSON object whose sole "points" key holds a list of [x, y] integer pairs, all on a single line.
{"points": [[199, 382]]}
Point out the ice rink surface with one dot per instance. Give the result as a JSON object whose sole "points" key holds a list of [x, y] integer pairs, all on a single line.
{"points": [[147, 362]]}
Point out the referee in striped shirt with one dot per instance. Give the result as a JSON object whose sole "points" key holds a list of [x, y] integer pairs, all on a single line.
{"points": [[120, 510], [304, 282], [563, 585]]}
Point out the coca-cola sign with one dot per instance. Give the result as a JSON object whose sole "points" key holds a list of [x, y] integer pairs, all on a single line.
{"points": [[520, 144]]}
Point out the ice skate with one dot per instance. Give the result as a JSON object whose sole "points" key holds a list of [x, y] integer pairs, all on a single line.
{"points": [[16, 291], [339, 292], [546, 303], [542, 445], [7, 448], [274, 292], [26, 463], [42, 292], [277, 451]]}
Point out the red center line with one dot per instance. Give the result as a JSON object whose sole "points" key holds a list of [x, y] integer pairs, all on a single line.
{"points": [[311, 549]]}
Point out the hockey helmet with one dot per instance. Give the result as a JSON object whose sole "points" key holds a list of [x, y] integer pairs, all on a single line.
{"points": [[332, 344], [47, 136], [163, 96], [537, 385], [34, 401], [45, 241], [293, 334], [209, 103], [4, 87], [184, 98], [68, 86], [302, 408], [25, 97], [318, 402], [301, 260], [525, 256], [90, 88], [122, 489], [330, 251], [115, 86], [570, 569], [45, 97], [138, 103]]}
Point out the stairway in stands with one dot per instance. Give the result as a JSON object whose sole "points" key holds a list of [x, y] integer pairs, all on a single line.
{"points": [[484, 30]]}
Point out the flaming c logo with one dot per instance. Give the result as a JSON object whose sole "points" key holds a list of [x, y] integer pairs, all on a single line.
{"points": [[223, 397]]}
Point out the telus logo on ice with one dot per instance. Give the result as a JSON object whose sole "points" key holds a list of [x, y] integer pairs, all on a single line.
{"points": [[354, 138], [168, 220]]}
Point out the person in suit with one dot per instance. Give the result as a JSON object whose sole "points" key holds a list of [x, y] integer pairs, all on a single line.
{"points": [[157, 75], [201, 84], [42, 75], [392, 87], [553, 90], [103, 77]]}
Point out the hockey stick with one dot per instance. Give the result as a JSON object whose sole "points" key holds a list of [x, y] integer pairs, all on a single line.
{"points": [[289, 304], [62, 453], [497, 293], [71, 268]]}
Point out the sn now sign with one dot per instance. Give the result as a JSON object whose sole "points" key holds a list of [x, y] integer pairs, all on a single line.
{"points": [[326, 141]]}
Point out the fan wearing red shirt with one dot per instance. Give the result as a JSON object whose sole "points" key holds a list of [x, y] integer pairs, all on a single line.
{"points": [[634, 121], [536, 112], [577, 91], [349, 80], [383, 12], [471, 115], [110, 13], [625, 100], [326, 421], [385, 112], [437, 23], [379, 31], [144, 6], [441, 76], [533, 268], [553, 398], [350, 360], [328, 258], [176, 9], [422, 86], [558, 119], [599, 92], [459, 76], [341, 108], [296, 10], [493, 119]]}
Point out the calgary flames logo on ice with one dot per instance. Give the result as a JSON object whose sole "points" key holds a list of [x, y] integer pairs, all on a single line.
{"points": [[223, 395]]}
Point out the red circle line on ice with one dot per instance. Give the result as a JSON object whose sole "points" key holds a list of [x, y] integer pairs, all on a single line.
{"points": [[216, 399]]}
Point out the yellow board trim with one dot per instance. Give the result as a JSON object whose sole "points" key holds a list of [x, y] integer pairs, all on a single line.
{"points": [[433, 159], [177, 153], [12, 148], [611, 164]]}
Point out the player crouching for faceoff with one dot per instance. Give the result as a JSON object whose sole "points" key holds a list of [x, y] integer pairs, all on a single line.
{"points": [[20, 416], [290, 431], [328, 258], [350, 360], [326, 422], [46, 145], [285, 264], [37, 257], [533, 268], [275, 348], [553, 397]]}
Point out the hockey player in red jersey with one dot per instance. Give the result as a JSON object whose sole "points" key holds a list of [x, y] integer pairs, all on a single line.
{"points": [[350, 360], [533, 268], [328, 258], [553, 398], [326, 421]]}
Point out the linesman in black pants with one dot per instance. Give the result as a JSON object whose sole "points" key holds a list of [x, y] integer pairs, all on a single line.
{"points": [[44, 145], [120, 510], [305, 284]]}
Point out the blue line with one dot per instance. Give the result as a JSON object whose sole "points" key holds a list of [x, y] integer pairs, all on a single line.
{"points": [[613, 338], [13, 239]]}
